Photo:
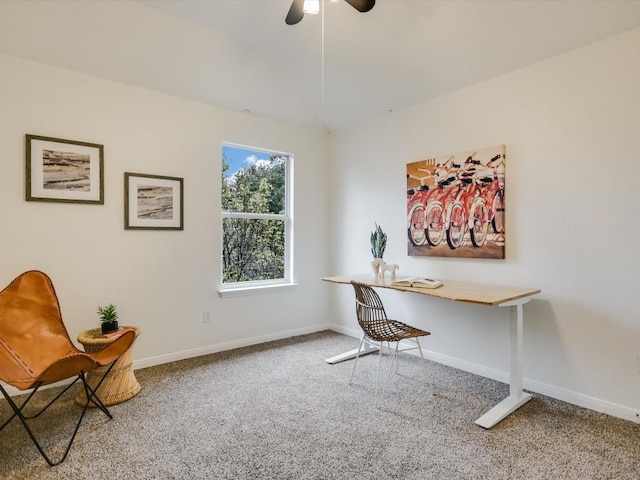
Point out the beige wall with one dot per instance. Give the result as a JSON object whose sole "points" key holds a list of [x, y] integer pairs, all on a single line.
{"points": [[570, 125], [161, 281]]}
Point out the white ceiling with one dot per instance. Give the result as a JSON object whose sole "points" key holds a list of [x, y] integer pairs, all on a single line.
{"points": [[239, 54]]}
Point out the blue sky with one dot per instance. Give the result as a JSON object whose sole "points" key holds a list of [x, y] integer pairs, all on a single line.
{"points": [[239, 158]]}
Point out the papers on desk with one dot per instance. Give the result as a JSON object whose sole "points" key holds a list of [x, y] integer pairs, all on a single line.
{"points": [[417, 282]]}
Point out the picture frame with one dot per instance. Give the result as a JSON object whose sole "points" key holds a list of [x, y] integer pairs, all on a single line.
{"points": [[153, 202], [67, 171], [456, 205]]}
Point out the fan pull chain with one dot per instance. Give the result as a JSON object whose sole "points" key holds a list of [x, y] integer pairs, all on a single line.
{"points": [[322, 52]]}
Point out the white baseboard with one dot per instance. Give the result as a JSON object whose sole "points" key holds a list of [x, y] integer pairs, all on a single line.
{"points": [[197, 352], [222, 347], [351, 332], [12, 391], [578, 399]]}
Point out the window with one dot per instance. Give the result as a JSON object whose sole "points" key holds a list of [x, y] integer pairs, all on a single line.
{"points": [[256, 217]]}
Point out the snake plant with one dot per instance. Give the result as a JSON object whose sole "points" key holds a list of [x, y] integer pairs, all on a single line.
{"points": [[378, 242]]}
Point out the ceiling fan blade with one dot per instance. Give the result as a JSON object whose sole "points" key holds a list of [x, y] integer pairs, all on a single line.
{"points": [[296, 12], [361, 5]]}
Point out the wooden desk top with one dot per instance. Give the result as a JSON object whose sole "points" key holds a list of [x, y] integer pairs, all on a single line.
{"points": [[480, 293]]}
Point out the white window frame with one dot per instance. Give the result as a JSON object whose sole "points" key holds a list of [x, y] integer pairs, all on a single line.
{"points": [[264, 286]]}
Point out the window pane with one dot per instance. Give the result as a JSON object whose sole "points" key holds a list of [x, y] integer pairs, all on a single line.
{"points": [[253, 249], [252, 181]]}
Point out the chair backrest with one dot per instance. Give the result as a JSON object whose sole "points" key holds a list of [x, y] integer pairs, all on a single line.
{"points": [[32, 334], [370, 312]]}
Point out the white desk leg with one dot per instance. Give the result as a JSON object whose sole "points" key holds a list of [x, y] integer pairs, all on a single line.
{"points": [[366, 349], [516, 397]]}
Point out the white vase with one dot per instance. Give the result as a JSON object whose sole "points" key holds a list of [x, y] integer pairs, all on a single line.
{"points": [[375, 267]]}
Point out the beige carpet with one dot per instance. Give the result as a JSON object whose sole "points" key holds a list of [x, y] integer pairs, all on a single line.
{"points": [[278, 411]]}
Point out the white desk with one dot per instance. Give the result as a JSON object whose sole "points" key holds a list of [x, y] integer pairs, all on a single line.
{"points": [[481, 294]]}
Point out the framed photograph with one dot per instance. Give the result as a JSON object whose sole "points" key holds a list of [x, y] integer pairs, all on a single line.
{"points": [[153, 202], [60, 170]]}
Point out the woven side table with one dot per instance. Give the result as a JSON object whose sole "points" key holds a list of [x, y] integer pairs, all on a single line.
{"points": [[121, 384]]}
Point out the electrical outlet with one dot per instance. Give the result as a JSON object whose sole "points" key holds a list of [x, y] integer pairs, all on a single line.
{"points": [[206, 316]]}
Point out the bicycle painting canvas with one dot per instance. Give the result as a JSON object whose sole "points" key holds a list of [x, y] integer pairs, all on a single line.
{"points": [[456, 205]]}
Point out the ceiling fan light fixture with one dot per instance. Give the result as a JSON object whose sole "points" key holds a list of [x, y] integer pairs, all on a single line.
{"points": [[311, 6], [300, 7]]}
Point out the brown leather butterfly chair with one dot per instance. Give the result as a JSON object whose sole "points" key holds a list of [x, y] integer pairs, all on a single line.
{"points": [[35, 350]]}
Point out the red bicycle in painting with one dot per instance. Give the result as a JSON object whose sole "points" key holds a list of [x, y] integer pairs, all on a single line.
{"points": [[468, 212], [415, 215], [435, 214], [459, 204], [469, 199], [421, 204], [492, 188]]}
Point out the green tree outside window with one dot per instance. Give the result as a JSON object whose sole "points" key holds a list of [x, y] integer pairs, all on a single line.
{"points": [[254, 247]]}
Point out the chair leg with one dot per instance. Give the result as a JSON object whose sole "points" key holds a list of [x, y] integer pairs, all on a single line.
{"points": [[18, 413], [378, 374], [419, 347], [356, 360], [91, 398], [48, 404], [20, 408], [91, 395], [380, 348], [394, 358]]}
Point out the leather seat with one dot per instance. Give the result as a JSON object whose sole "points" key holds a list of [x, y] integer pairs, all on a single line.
{"points": [[35, 349]]}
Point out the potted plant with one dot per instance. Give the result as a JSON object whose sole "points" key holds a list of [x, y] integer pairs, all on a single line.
{"points": [[108, 318], [378, 242]]}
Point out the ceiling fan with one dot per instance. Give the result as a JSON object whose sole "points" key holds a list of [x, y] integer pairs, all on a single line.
{"points": [[298, 8]]}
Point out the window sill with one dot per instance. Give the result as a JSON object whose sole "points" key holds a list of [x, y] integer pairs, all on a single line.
{"points": [[255, 290]]}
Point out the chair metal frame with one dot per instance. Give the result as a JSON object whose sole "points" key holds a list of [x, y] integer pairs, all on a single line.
{"points": [[35, 350], [90, 394], [378, 328]]}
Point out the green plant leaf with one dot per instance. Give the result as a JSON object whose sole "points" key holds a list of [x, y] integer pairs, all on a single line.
{"points": [[378, 242], [108, 313]]}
